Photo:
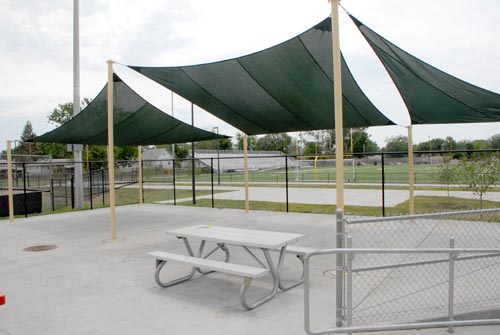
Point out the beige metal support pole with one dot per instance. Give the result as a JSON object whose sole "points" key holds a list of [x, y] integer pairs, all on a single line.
{"points": [[9, 181], [111, 152], [245, 167], [139, 177], [411, 176], [337, 95]]}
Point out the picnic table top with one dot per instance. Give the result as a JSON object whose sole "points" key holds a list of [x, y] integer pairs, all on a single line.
{"points": [[237, 236]]}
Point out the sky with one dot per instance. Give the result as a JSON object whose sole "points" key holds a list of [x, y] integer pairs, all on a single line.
{"points": [[36, 38]]}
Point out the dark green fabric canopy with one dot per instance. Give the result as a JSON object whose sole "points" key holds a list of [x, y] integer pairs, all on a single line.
{"points": [[288, 87], [431, 95], [136, 122]]}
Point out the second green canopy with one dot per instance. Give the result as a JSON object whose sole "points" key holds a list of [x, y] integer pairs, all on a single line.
{"points": [[136, 122]]}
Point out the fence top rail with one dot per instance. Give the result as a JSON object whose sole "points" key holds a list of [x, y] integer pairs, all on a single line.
{"points": [[422, 216], [402, 251]]}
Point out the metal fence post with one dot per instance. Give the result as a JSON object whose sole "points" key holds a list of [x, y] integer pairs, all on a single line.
{"points": [[52, 193], [89, 168], [173, 181], [65, 189], [102, 187], [212, 179], [340, 269], [72, 191], [24, 190], [350, 258], [383, 185], [141, 171], [193, 178], [451, 283], [286, 181]]}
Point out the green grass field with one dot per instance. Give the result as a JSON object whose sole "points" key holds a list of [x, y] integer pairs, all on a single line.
{"points": [[367, 177], [370, 174]]}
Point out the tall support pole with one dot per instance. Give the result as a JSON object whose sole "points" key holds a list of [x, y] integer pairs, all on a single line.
{"points": [[337, 96], [10, 192], [339, 156], [193, 169], [245, 168], [77, 153], [411, 177], [111, 152], [139, 172]]}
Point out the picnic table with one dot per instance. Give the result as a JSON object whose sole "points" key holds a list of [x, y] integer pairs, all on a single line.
{"points": [[248, 239]]}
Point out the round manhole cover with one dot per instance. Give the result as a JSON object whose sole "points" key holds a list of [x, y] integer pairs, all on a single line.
{"points": [[43, 247]]}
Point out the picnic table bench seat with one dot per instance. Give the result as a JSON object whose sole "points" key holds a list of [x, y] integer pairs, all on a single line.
{"points": [[228, 268]]}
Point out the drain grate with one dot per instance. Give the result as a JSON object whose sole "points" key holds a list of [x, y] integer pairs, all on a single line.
{"points": [[43, 247]]}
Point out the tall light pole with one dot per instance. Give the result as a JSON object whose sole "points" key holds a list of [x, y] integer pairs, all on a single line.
{"points": [[218, 158], [77, 148]]}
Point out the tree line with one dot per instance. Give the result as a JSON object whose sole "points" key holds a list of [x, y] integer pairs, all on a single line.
{"points": [[305, 143]]}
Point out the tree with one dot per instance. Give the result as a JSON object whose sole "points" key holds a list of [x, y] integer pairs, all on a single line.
{"points": [[358, 137], [396, 144], [59, 116], [274, 142], [446, 175], [54, 150], [181, 151], [26, 147], [479, 176], [361, 141], [310, 148], [126, 152], [220, 144], [252, 140], [99, 155], [63, 113], [450, 143], [494, 141]]}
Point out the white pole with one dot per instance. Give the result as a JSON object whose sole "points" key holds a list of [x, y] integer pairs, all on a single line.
{"points": [[9, 181], [245, 164], [337, 95], [139, 177], [410, 170], [77, 152], [111, 152]]}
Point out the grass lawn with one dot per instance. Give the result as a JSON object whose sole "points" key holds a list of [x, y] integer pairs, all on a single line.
{"points": [[397, 173], [423, 204]]}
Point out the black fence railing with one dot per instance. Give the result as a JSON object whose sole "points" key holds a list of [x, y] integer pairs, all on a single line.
{"points": [[376, 184]]}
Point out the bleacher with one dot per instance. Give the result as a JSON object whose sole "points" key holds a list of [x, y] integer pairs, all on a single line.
{"points": [[232, 160]]}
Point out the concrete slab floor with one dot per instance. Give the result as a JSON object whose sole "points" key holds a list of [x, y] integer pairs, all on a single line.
{"points": [[90, 285]]}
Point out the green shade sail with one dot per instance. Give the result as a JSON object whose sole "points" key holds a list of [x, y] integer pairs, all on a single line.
{"points": [[288, 87], [431, 95], [136, 122]]}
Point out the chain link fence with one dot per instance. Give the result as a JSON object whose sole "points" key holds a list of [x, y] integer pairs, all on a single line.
{"points": [[407, 272], [412, 286], [376, 184]]}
